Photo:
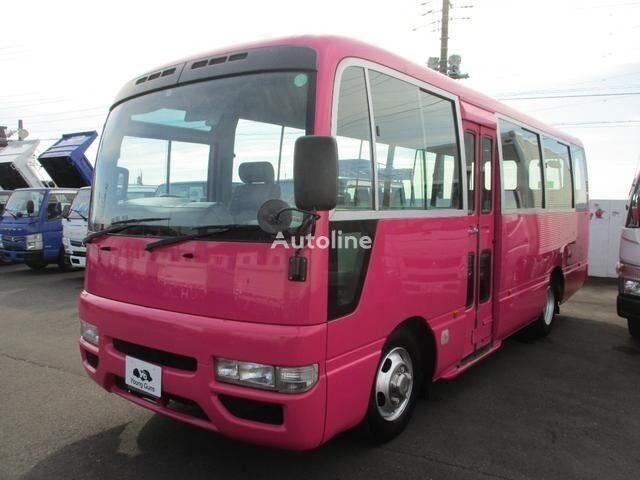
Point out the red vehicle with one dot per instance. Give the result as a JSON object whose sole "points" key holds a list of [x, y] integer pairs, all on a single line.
{"points": [[462, 222]]}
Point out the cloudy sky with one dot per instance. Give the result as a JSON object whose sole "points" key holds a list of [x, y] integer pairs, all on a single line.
{"points": [[62, 62]]}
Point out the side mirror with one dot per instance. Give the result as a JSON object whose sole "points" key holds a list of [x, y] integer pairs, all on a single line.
{"points": [[66, 211], [315, 172], [30, 207]]}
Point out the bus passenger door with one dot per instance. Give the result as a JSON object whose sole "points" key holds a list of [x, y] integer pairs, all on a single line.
{"points": [[480, 152], [485, 186]]}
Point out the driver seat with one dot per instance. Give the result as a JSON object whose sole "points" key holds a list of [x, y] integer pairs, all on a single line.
{"points": [[257, 187]]}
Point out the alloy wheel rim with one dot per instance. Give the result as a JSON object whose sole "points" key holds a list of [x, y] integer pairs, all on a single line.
{"points": [[549, 307], [394, 384]]}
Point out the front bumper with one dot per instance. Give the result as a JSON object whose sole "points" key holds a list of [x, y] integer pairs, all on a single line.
{"points": [[628, 307], [77, 258], [22, 256], [201, 339]]}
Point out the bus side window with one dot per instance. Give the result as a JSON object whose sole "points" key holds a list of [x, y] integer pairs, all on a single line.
{"points": [[580, 179], [557, 173], [470, 154], [414, 126], [355, 170], [521, 159], [487, 153]]}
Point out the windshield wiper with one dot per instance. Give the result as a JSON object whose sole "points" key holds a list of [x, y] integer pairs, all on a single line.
{"points": [[211, 231], [10, 213], [119, 226], [78, 212]]}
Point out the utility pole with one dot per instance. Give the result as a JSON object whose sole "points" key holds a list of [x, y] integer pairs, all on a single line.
{"points": [[444, 37]]}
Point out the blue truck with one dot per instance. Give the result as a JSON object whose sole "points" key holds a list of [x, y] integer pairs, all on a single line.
{"points": [[31, 224]]}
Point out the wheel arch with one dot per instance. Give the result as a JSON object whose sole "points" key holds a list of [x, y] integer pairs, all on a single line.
{"points": [[557, 282], [426, 341]]}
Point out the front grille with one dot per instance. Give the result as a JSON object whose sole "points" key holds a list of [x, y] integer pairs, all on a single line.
{"points": [[77, 243], [9, 238], [78, 254], [254, 410], [14, 248], [157, 357]]}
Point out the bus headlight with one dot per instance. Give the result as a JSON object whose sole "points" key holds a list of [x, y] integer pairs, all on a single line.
{"points": [[89, 332], [34, 242], [258, 375], [631, 287]]}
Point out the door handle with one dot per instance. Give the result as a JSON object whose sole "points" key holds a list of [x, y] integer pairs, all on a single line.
{"points": [[473, 230]]}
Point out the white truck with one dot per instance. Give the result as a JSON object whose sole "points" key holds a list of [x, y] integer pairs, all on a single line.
{"points": [[18, 166], [629, 266], [74, 228]]}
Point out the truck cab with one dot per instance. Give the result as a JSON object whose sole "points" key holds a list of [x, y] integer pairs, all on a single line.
{"points": [[31, 227], [74, 228], [629, 266]]}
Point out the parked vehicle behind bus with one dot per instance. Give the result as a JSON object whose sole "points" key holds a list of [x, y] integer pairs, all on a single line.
{"points": [[74, 228], [4, 197], [461, 220], [31, 227], [629, 266]]}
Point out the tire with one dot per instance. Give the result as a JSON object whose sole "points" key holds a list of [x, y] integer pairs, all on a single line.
{"points": [[64, 262], [396, 388], [634, 328], [544, 324], [36, 265]]}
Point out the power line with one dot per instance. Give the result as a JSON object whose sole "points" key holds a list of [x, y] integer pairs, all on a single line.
{"points": [[582, 95]]}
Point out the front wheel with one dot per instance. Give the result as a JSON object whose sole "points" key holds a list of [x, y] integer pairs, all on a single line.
{"points": [[634, 328], [395, 389], [64, 262]]}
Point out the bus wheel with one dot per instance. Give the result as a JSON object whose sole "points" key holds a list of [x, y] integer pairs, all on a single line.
{"points": [[395, 390], [542, 327], [634, 328]]}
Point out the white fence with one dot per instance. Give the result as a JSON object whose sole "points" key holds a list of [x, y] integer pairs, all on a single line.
{"points": [[607, 220]]}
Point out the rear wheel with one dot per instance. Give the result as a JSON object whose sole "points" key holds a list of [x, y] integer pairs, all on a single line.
{"points": [[395, 389], [634, 328], [543, 325], [36, 265]]}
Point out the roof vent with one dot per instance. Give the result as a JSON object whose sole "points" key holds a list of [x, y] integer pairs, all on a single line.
{"points": [[238, 56], [153, 76]]}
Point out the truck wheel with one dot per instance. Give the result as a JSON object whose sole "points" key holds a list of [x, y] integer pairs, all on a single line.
{"points": [[36, 265], [64, 262], [396, 387], [634, 327]]}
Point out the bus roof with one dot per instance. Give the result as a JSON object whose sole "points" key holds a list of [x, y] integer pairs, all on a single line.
{"points": [[332, 49]]}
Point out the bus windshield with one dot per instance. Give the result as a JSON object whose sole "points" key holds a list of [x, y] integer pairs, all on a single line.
{"points": [[211, 153], [17, 204]]}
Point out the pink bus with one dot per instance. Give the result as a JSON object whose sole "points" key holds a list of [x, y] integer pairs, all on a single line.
{"points": [[449, 222]]}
